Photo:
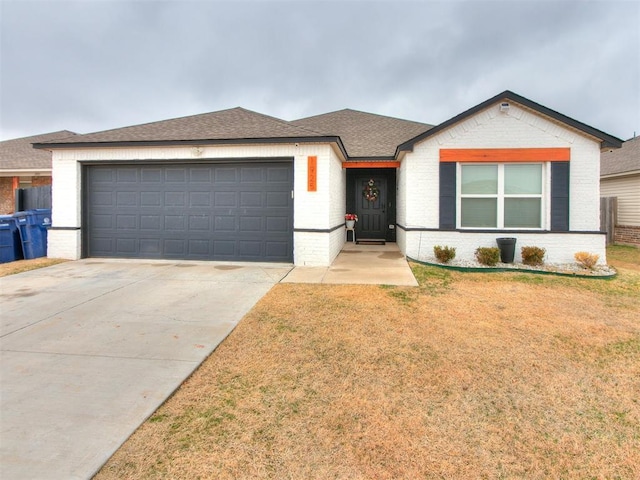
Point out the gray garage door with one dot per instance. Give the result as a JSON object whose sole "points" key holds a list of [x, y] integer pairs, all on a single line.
{"points": [[225, 211]]}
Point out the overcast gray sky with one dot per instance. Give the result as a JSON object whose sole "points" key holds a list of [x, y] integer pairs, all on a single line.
{"points": [[94, 65]]}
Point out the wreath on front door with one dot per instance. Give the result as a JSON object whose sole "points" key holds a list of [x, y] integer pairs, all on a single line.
{"points": [[370, 191]]}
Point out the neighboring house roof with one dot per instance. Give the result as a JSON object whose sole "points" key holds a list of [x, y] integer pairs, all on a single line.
{"points": [[623, 160], [606, 140], [19, 154], [365, 134]]}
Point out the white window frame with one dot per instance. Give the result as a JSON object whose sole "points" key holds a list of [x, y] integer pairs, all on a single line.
{"points": [[500, 196]]}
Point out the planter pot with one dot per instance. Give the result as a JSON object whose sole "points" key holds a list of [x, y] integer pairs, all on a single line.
{"points": [[507, 248], [351, 223]]}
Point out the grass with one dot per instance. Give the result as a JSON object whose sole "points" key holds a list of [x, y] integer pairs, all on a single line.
{"points": [[20, 266], [471, 375]]}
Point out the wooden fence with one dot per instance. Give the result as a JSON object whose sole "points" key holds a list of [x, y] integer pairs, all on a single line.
{"points": [[35, 197], [608, 211]]}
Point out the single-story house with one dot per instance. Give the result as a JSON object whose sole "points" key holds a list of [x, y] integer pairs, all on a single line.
{"points": [[620, 178], [22, 167], [241, 186]]}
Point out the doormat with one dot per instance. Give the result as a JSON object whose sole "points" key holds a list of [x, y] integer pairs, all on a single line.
{"points": [[371, 241]]}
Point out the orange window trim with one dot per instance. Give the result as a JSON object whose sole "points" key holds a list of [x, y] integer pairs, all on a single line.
{"points": [[370, 164], [505, 155]]}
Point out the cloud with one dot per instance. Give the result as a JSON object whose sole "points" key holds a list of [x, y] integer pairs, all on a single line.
{"points": [[93, 65]]}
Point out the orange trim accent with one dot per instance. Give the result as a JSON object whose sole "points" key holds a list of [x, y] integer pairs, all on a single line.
{"points": [[15, 183], [312, 174], [505, 154], [370, 164]]}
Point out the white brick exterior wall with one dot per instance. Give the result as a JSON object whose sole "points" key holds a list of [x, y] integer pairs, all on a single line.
{"points": [[321, 210], [418, 195], [560, 247]]}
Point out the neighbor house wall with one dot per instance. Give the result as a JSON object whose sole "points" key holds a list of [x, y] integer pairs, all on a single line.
{"points": [[490, 128], [7, 190], [627, 190], [315, 213], [7, 196]]}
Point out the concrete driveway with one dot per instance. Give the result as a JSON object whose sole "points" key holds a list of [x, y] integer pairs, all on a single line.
{"points": [[90, 349]]}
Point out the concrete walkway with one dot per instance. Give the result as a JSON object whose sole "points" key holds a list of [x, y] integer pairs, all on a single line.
{"points": [[90, 349], [360, 264]]}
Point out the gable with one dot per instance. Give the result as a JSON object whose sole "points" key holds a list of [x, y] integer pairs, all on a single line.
{"points": [[509, 99]]}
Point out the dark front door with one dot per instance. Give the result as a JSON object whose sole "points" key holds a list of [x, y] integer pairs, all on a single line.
{"points": [[371, 207]]}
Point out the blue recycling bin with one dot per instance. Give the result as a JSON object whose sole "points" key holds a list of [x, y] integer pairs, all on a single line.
{"points": [[10, 243], [42, 216], [32, 225]]}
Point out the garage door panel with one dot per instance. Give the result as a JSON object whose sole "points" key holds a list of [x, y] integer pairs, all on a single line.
{"points": [[151, 175], [199, 223], [127, 199], [174, 222], [175, 175], [102, 198], [277, 199], [150, 199], [102, 221], [225, 175], [225, 199], [150, 248], [216, 212], [250, 224], [126, 246], [126, 175], [127, 222], [174, 199]]}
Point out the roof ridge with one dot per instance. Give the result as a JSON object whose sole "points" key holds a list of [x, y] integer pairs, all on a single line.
{"points": [[365, 113], [280, 120]]}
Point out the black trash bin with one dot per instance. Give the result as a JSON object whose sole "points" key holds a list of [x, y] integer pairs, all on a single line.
{"points": [[507, 248]]}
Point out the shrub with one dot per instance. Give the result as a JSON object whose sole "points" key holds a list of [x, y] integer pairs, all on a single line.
{"points": [[444, 254], [488, 255], [532, 255], [586, 259]]}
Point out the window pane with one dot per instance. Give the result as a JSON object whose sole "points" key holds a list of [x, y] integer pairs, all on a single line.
{"points": [[479, 179], [522, 213], [479, 212], [522, 179]]}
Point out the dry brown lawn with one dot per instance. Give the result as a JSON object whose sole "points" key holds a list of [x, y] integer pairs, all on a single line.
{"points": [[20, 266], [471, 375]]}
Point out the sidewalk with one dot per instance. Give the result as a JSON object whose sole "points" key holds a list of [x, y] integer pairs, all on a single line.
{"points": [[360, 264]]}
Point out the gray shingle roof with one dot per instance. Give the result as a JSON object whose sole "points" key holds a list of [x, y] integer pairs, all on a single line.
{"points": [[18, 153], [362, 134], [365, 134], [232, 124], [625, 159]]}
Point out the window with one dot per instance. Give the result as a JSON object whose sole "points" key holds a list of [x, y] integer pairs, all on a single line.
{"points": [[501, 195]]}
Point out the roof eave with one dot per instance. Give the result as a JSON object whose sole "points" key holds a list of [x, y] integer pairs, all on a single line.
{"points": [[619, 174], [198, 142]]}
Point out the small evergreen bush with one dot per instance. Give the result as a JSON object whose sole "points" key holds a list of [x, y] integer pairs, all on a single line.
{"points": [[586, 259], [532, 255], [488, 255], [444, 254]]}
